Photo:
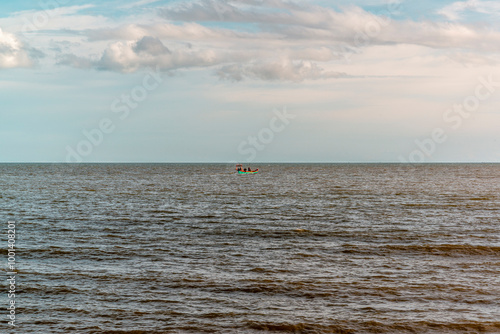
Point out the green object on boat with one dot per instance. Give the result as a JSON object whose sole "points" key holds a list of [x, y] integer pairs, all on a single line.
{"points": [[252, 172]]}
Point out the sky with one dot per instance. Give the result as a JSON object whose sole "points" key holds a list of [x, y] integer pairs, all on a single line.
{"points": [[249, 81]]}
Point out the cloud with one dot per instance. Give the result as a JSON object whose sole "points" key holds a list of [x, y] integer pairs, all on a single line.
{"points": [[472, 60], [284, 70], [353, 27], [268, 40], [150, 46], [13, 53], [231, 11], [234, 66], [456, 10], [151, 52], [74, 61], [146, 52], [185, 31], [53, 18]]}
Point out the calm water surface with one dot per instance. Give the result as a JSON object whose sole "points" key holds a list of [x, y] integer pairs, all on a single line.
{"points": [[116, 248]]}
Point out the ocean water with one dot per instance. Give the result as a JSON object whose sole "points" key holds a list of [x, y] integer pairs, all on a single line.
{"points": [[162, 248]]}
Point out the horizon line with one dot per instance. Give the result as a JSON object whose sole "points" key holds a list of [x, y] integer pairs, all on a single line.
{"points": [[252, 163]]}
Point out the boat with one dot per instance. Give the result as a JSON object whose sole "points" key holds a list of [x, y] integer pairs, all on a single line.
{"points": [[241, 170]]}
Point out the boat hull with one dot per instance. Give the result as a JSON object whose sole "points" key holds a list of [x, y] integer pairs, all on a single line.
{"points": [[252, 172]]}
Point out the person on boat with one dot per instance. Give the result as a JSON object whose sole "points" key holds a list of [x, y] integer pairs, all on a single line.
{"points": [[245, 169], [249, 169]]}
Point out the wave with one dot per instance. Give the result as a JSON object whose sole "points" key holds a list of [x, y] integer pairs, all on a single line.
{"points": [[344, 327], [130, 331], [427, 249], [52, 290]]}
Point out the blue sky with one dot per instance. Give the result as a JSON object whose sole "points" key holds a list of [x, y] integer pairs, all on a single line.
{"points": [[249, 81]]}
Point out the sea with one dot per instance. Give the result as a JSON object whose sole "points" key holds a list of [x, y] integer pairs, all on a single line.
{"points": [[296, 248]]}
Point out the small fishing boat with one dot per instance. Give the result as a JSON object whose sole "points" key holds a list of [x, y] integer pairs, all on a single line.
{"points": [[241, 170]]}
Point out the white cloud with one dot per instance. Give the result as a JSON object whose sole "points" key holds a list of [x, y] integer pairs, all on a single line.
{"points": [[456, 10], [282, 70], [234, 65], [313, 25], [148, 51], [265, 40], [13, 53], [58, 18], [186, 31]]}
